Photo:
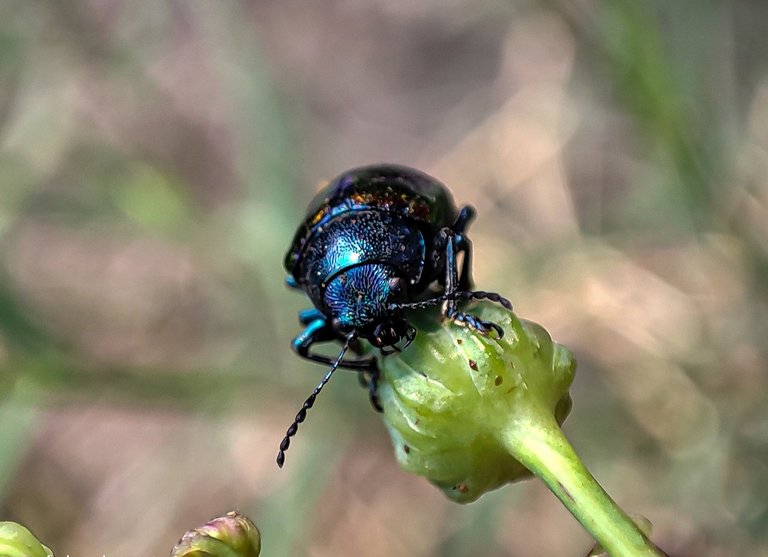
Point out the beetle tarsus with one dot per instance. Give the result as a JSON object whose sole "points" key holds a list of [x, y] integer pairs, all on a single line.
{"points": [[373, 393], [475, 323]]}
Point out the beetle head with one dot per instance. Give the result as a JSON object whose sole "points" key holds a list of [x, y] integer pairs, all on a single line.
{"points": [[360, 299]]}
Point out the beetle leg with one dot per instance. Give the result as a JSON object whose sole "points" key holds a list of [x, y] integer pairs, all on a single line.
{"points": [[466, 214], [453, 284], [307, 316], [448, 238], [479, 325], [290, 282], [373, 391], [464, 245], [370, 380], [319, 330]]}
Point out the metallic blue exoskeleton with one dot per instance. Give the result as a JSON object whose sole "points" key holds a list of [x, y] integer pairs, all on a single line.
{"points": [[376, 241]]}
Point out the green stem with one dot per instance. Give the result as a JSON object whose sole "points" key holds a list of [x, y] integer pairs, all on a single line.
{"points": [[536, 441]]}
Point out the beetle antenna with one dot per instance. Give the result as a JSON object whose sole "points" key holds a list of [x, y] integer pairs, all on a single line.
{"points": [[460, 295], [302, 415]]}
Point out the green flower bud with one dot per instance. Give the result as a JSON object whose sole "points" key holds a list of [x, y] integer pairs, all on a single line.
{"points": [[472, 412], [17, 541], [232, 535], [452, 396]]}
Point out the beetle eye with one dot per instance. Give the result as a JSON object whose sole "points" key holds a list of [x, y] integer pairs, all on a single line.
{"points": [[340, 326]]}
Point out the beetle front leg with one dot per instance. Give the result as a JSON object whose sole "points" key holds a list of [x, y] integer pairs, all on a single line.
{"points": [[370, 380], [320, 330], [307, 316]]}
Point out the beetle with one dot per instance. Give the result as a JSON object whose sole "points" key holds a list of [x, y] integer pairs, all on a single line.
{"points": [[376, 241]]}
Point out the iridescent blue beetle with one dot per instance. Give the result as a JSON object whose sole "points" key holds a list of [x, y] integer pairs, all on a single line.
{"points": [[378, 240]]}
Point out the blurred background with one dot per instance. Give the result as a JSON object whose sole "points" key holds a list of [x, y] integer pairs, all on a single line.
{"points": [[156, 158]]}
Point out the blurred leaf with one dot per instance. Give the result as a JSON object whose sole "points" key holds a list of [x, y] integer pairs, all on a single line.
{"points": [[286, 516], [152, 200], [17, 421], [16, 325]]}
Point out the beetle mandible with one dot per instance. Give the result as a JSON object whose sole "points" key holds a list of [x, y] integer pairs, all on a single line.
{"points": [[378, 240]]}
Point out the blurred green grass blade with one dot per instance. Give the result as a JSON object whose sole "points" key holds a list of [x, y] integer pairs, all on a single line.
{"points": [[16, 326], [286, 518], [202, 390], [17, 420], [629, 43], [266, 150], [631, 39]]}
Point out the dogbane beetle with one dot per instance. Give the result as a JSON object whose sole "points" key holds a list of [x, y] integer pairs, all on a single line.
{"points": [[376, 241]]}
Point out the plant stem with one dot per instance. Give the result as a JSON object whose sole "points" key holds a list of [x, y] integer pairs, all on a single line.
{"points": [[535, 440]]}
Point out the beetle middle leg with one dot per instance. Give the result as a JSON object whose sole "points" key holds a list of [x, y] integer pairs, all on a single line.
{"points": [[451, 243], [464, 246]]}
